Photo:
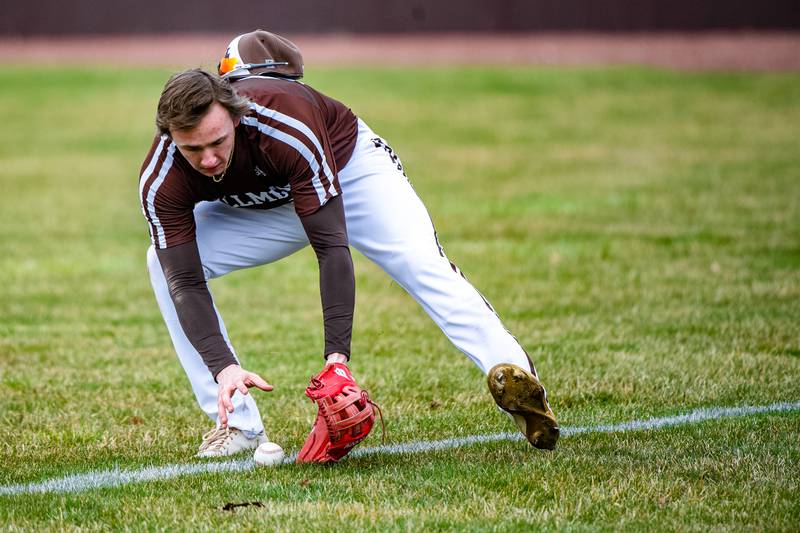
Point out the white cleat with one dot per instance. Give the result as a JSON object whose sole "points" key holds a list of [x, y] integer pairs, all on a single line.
{"points": [[222, 442]]}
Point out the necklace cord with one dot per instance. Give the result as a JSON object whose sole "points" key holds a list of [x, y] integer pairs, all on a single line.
{"points": [[219, 178]]}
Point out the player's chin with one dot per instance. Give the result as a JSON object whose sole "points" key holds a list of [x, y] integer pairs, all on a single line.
{"points": [[212, 171]]}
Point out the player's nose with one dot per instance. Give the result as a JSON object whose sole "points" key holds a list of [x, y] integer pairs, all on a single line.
{"points": [[209, 159]]}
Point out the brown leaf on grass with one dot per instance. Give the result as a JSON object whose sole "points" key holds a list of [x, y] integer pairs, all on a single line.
{"points": [[304, 483], [136, 420], [435, 404], [233, 506]]}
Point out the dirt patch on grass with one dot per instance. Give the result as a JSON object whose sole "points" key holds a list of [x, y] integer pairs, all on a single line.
{"points": [[739, 51]]}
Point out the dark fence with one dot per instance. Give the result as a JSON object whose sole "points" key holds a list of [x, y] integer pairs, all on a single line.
{"points": [[59, 17]]}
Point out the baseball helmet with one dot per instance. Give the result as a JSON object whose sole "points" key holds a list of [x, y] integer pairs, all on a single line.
{"points": [[261, 53]]}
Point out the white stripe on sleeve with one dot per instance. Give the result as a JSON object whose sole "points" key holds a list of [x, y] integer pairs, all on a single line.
{"points": [[146, 175], [297, 145], [305, 130], [149, 169], [149, 204]]}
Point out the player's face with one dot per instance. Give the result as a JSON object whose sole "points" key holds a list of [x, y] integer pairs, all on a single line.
{"points": [[209, 145]]}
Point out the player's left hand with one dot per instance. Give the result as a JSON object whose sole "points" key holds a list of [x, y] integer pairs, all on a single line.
{"points": [[233, 378]]}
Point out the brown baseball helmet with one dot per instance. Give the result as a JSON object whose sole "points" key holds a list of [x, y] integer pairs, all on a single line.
{"points": [[261, 53]]}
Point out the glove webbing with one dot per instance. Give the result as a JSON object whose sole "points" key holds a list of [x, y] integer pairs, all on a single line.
{"points": [[328, 408]]}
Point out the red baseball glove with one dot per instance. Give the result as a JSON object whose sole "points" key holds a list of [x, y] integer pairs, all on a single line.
{"points": [[344, 418]]}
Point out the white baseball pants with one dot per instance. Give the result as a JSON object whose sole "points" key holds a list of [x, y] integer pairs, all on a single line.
{"points": [[387, 222]]}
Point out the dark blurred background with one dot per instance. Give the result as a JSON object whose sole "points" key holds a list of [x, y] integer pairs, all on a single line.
{"points": [[56, 17]]}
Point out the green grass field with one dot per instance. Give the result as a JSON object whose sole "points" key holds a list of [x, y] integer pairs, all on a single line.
{"points": [[637, 230]]}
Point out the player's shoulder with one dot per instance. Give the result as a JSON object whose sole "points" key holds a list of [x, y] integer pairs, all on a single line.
{"points": [[269, 86], [163, 160], [276, 92], [160, 150]]}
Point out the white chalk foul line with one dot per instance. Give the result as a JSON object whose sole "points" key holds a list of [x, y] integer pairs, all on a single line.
{"points": [[117, 477]]}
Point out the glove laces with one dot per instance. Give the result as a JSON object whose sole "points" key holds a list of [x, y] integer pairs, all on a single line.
{"points": [[365, 397], [317, 384]]}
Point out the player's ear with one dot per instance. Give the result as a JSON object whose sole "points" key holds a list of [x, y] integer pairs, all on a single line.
{"points": [[236, 121]]}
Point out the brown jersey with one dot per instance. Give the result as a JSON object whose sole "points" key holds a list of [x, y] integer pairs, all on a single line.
{"points": [[288, 147]]}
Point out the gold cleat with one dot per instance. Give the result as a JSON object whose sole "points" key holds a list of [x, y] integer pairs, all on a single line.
{"points": [[519, 393]]}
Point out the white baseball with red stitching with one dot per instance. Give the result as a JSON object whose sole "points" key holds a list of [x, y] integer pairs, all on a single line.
{"points": [[268, 454]]}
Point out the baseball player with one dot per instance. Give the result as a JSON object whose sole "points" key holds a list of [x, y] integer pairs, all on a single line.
{"points": [[250, 166]]}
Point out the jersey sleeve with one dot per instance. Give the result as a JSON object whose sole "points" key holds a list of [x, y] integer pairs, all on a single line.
{"points": [[167, 202], [183, 272], [327, 233], [294, 138]]}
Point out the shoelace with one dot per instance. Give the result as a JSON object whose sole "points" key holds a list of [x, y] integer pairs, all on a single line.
{"points": [[216, 439]]}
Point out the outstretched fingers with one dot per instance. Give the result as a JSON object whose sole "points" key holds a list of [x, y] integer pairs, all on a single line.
{"points": [[254, 380], [228, 388]]}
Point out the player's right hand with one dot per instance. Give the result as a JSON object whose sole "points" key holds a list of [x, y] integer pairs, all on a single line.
{"points": [[233, 378]]}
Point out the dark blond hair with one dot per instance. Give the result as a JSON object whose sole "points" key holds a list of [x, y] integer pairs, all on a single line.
{"points": [[187, 96]]}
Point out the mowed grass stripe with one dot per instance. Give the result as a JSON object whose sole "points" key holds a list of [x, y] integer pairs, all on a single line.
{"points": [[118, 477]]}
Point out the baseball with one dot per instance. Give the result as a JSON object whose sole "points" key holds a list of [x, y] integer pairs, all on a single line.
{"points": [[268, 454]]}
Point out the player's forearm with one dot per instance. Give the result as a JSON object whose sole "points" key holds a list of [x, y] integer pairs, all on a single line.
{"points": [[337, 290], [193, 305], [327, 233]]}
